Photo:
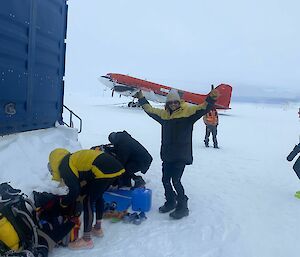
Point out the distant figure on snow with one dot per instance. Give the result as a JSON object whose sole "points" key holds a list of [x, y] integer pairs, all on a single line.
{"points": [[177, 120], [296, 166], [211, 121]]}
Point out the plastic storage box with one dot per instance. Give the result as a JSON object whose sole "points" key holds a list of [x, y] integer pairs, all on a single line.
{"points": [[141, 199]]}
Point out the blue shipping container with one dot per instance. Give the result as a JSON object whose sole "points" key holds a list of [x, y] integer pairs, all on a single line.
{"points": [[32, 63]]}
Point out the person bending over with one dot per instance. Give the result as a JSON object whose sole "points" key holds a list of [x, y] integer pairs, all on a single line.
{"points": [[86, 173]]}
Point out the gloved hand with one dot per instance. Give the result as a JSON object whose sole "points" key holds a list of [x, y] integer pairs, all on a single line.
{"points": [[214, 94], [139, 95]]}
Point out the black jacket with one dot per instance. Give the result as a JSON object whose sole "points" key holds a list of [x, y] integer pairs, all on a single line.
{"points": [[130, 152], [177, 128]]}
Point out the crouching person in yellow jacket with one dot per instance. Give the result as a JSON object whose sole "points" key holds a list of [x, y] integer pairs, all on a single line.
{"points": [[97, 170]]}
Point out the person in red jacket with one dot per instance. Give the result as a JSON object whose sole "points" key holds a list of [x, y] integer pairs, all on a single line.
{"points": [[211, 120]]}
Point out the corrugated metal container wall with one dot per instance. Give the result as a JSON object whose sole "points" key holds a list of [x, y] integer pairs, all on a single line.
{"points": [[32, 63]]}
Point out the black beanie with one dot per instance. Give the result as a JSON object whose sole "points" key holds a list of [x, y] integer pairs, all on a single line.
{"points": [[112, 137]]}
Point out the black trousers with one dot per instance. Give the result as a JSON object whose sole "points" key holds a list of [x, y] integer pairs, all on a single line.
{"points": [[213, 130], [94, 198], [172, 172]]}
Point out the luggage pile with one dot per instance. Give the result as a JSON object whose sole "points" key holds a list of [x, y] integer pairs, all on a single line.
{"points": [[32, 228]]}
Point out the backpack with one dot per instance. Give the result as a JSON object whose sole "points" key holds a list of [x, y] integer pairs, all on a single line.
{"points": [[21, 236], [61, 224]]}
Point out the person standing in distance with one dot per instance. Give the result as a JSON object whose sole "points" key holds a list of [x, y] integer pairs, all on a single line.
{"points": [[211, 121]]}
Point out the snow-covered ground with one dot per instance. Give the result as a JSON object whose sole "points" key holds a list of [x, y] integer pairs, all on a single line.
{"points": [[241, 195]]}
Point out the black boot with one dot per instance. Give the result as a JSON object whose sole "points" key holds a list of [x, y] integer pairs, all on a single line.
{"points": [[206, 143], [169, 205], [181, 209]]}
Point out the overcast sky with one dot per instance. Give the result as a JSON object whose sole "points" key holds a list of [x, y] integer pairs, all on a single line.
{"points": [[187, 44]]}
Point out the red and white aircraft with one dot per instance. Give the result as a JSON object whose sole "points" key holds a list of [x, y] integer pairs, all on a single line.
{"points": [[128, 86]]}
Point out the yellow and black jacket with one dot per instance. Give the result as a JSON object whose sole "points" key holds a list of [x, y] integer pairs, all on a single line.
{"points": [[177, 128], [83, 165]]}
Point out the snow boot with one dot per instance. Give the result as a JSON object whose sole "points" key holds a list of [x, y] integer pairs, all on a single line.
{"points": [[169, 205], [206, 143], [216, 146], [181, 209]]}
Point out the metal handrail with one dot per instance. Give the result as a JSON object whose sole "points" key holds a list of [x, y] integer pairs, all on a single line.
{"points": [[71, 124]]}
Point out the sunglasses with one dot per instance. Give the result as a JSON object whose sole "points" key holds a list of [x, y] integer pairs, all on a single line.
{"points": [[173, 102]]}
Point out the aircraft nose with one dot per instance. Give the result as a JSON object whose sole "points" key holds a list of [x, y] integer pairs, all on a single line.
{"points": [[106, 81]]}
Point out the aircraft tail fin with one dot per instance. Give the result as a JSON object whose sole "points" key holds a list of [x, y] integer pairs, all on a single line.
{"points": [[224, 99]]}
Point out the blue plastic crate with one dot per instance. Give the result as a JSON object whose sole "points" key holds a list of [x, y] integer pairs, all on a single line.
{"points": [[120, 197]]}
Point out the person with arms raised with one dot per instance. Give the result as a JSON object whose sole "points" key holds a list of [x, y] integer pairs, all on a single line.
{"points": [[177, 120]]}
